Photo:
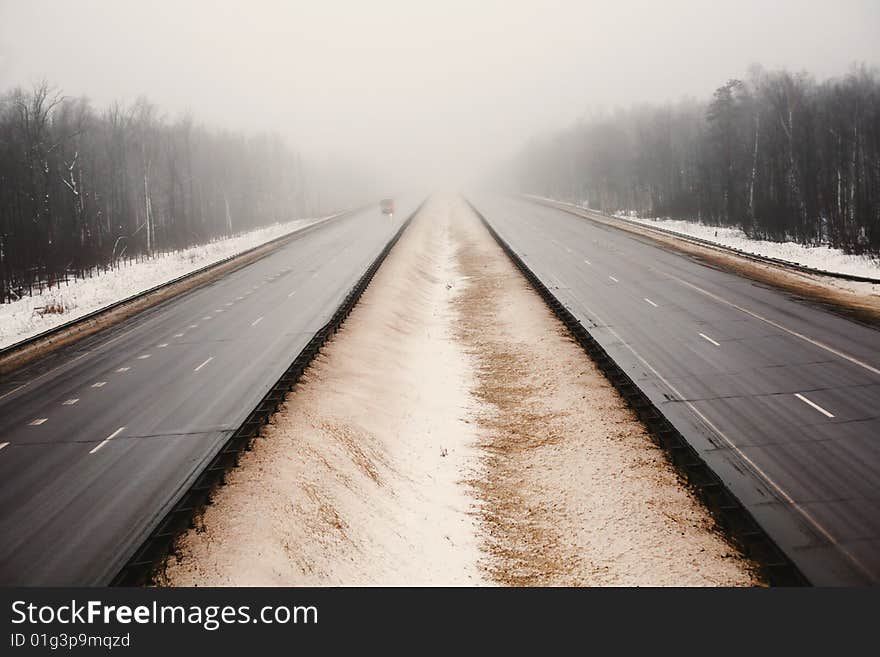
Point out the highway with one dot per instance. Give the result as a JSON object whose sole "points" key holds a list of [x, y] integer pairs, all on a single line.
{"points": [[779, 396], [99, 439]]}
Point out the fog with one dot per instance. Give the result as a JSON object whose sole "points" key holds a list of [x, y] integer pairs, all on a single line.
{"points": [[416, 92]]}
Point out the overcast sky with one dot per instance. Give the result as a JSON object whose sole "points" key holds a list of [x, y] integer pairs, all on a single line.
{"points": [[426, 91]]}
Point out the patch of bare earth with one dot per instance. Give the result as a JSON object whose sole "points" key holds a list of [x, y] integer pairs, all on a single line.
{"points": [[452, 433]]}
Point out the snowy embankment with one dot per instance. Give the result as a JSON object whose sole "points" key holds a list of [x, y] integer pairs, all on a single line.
{"points": [[823, 258], [26, 317]]}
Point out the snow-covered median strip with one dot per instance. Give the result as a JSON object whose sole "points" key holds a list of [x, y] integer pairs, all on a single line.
{"points": [[25, 318], [452, 433], [823, 258]]}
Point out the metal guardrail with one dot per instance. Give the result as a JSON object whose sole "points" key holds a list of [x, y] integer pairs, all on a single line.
{"points": [[585, 212], [159, 541], [731, 516], [49, 334]]}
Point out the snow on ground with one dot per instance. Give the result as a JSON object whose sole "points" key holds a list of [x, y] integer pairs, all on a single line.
{"points": [[22, 319], [816, 257]]}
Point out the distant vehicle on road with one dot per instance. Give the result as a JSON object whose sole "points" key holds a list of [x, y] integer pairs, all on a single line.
{"points": [[387, 205]]}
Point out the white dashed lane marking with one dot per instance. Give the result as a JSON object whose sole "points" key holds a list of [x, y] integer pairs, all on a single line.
{"points": [[647, 300], [708, 339], [614, 279], [162, 345], [816, 343], [143, 356], [587, 261], [120, 370], [107, 440], [69, 402], [99, 384], [257, 321], [178, 335], [203, 364], [813, 404], [37, 422], [2, 445]]}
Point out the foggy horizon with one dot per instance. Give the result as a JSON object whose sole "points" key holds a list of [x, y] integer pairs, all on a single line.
{"points": [[418, 94]]}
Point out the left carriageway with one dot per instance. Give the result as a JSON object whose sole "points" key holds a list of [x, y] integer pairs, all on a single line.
{"points": [[102, 437]]}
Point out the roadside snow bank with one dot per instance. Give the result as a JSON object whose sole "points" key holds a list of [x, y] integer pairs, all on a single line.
{"points": [[823, 258], [25, 318], [815, 257]]}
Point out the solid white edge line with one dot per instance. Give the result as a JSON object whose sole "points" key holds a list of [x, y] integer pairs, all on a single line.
{"points": [[203, 364], [107, 440], [813, 404], [706, 337]]}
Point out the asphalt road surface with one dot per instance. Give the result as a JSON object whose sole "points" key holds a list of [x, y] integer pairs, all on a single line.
{"points": [[780, 397], [99, 440]]}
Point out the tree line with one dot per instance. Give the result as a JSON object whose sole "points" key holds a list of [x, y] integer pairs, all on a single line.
{"points": [[83, 189], [779, 155]]}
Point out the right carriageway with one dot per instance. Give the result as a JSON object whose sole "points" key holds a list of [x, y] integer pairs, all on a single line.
{"points": [[779, 396]]}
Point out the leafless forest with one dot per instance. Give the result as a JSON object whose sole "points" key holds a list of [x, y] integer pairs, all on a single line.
{"points": [[83, 188], [780, 155]]}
